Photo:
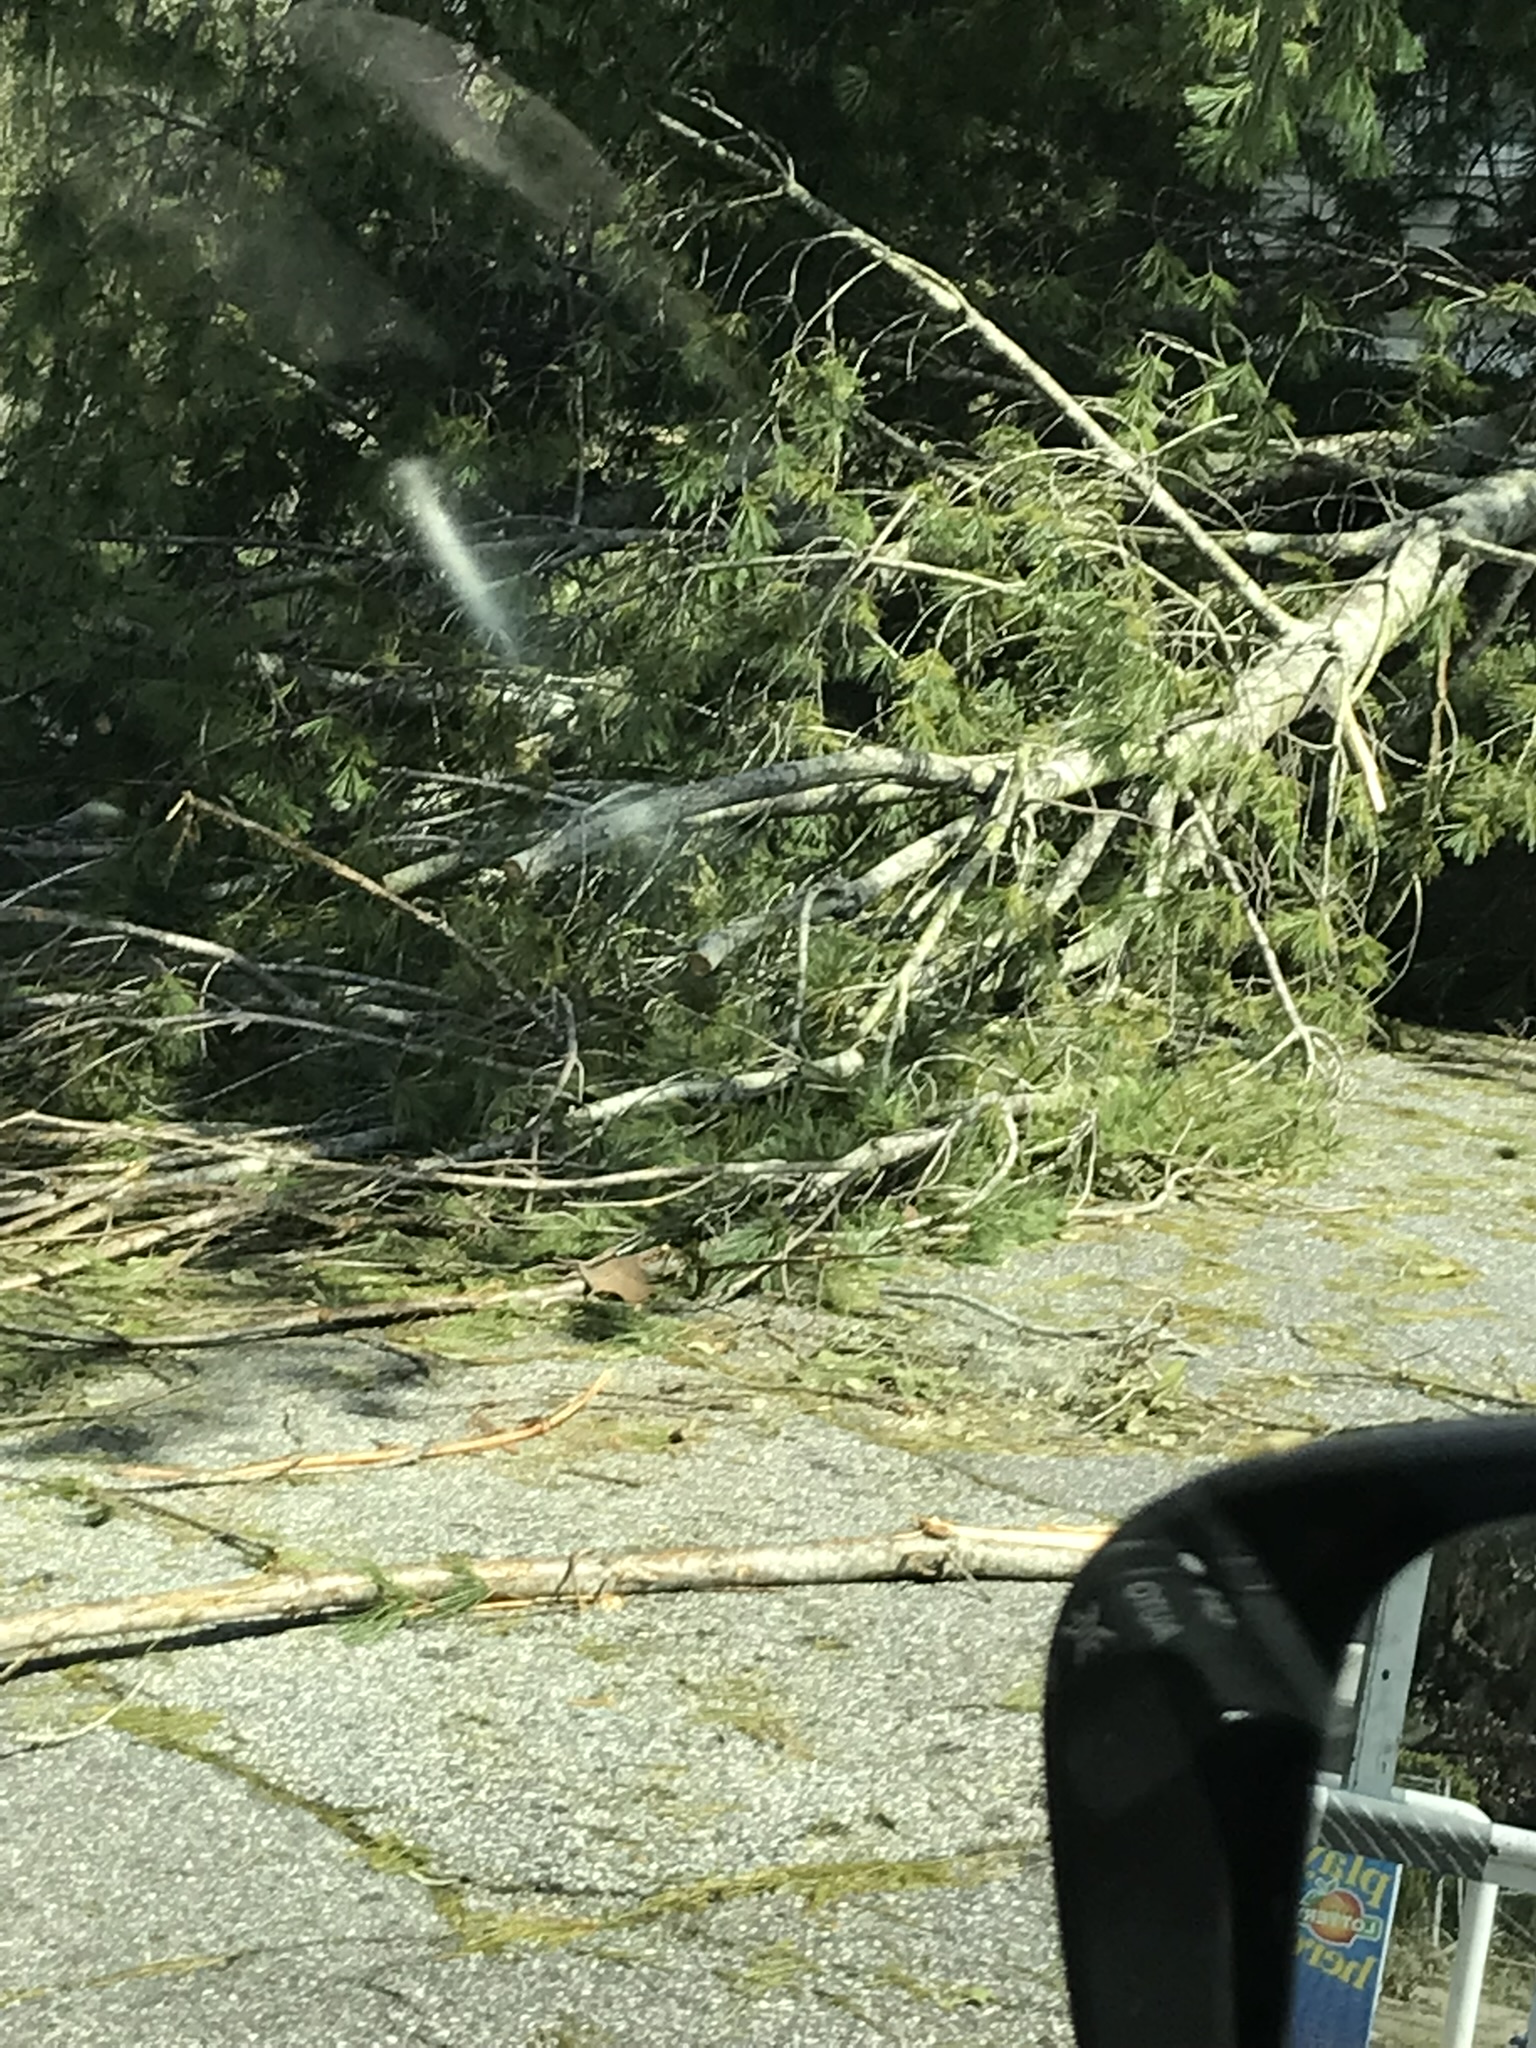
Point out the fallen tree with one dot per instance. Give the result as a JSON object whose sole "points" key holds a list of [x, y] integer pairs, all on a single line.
{"points": [[949, 823]]}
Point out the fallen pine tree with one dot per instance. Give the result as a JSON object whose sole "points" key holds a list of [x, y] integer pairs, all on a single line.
{"points": [[936, 818]]}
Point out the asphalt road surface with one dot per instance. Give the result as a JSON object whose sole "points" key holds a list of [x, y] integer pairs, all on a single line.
{"points": [[809, 1816]]}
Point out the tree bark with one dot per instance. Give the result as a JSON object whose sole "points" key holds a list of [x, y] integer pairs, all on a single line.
{"points": [[932, 1550]]}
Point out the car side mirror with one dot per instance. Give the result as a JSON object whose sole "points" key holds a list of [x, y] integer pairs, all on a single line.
{"points": [[1189, 1691]]}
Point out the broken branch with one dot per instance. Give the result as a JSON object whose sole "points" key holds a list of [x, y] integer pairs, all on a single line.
{"points": [[933, 1550], [201, 806], [145, 1478]]}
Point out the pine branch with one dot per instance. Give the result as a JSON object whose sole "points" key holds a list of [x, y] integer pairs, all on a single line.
{"points": [[942, 292]]}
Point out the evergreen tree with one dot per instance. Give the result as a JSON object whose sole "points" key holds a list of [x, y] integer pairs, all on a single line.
{"points": [[905, 592]]}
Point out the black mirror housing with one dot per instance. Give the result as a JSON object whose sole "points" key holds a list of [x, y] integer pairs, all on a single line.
{"points": [[1188, 1693]]}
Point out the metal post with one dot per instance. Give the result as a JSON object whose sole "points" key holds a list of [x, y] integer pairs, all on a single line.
{"points": [[1385, 1673], [1466, 1990], [1385, 1677], [1339, 1740]]}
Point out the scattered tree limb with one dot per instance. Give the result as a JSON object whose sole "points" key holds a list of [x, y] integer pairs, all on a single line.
{"points": [[129, 1244], [1333, 655], [174, 942], [1359, 747], [144, 1478], [1520, 574], [1079, 862], [977, 1306], [1300, 1032], [1474, 443], [933, 1550], [1361, 543], [892, 1003], [711, 1088], [311, 1322]]}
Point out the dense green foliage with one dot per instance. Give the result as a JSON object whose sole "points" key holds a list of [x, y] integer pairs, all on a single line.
{"points": [[729, 494], [1472, 1696]]}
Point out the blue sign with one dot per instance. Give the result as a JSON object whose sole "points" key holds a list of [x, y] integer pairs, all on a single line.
{"points": [[1341, 1947]]}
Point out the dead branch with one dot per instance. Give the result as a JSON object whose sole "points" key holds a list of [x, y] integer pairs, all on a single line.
{"points": [[709, 1089], [1301, 1033], [1474, 443], [835, 898], [1080, 861], [1498, 618], [1341, 648], [48, 1216], [311, 1322], [175, 942], [216, 1155], [892, 1003], [1366, 543], [129, 1244], [976, 1306], [660, 813], [156, 1478], [866, 777], [1331, 656], [284, 1145], [933, 1550], [381, 891], [809, 803]]}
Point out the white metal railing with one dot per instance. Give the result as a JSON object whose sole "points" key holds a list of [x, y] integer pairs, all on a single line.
{"points": [[1362, 1808], [1449, 1838]]}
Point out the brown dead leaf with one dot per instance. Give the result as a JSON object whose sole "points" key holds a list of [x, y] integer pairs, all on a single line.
{"points": [[622, 1278]]}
